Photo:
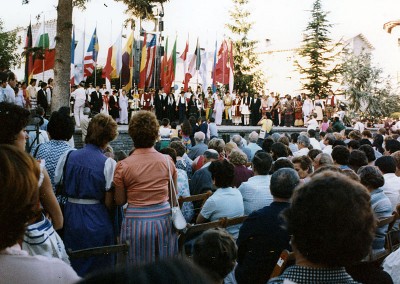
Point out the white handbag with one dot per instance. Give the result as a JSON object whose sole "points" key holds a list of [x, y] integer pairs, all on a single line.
{"points": [[176, 214]]}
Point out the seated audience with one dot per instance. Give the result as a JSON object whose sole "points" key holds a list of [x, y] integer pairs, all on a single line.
{"points": [[202, 180], [322, 160], [357, 160], [340, 156], [200, 146], [303, 142], [303, 166], [391, 188], [242, 173]]}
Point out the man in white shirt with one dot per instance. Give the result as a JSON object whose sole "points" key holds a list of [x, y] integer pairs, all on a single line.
{"points": [[312, 123], [391, 188], [80, 98], [359, 126], [8, 82], [328, 142], [303, 142], [314, 143]]}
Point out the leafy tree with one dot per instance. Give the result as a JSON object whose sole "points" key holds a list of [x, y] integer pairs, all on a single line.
{"points": [[9, 42], [247, 75], [369, 93], [318, 51]]}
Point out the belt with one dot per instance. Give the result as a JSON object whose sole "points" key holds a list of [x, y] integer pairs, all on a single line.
{"points": [[83, 201]]}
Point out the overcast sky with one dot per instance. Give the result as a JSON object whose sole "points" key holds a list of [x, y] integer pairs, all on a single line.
{"points": [[280, 21]]}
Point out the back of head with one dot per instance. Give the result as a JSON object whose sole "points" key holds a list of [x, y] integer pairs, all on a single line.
{"points": [[13, 119], [177, 271], [341, 155], [253, 137], [371, 177], [215, 251], [262, 162], [217, 144], [283, 183], [143, 129], [325, 159], [320, 210], [61, 126], [275, 136], [396, 157], [392, 146], [222, 172], [357, 160], [19, 197], [330, 138], [179, 147], [311, 133], [102, 129], [386, 164], [282, 163], [314, 153], [279, 150], [237, 157], [199, 137], [369, 152], [237, 139]]}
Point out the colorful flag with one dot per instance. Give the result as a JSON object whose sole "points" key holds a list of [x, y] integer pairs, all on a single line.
{"points": [[72, 73], [89, 61], [127, 63], [198, 55], [221, 68], [185, 58], [116, 61], [231, 68], [47, 63], [192, 68], [28, 54], [142, 70], [171, 69], [106, 74], [203, 72], [214, 82], [42, 38], [151, 56]]}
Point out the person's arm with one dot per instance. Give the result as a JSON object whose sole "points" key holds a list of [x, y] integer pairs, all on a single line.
{"points": [[206, 212], [260, 122], [119, 192], [200, 219], [49, 202]]}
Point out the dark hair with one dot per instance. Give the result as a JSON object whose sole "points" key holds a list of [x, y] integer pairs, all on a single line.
{"points": [[279, 150], [367, 133], [222, 172], [13, 119], [39, 110], [216, 252], [143, 129], [177, 271], [186, 128], [339, 143], [353, 144], [262, 162], [392, 146], [102, 129], [19, 195], [267, 144], [386, 164], [165, 122], [179, 147], [212, 119], [340, 154], [61, 126], [313, 153], [173, 125], [169, 151], [378, 141], [311, 133], [283, 182], [357, 159], [330, 138], [294, 137], [316, 220], [305, 163], [365, 142], [369, 152], [282, 163], [371, 177]]}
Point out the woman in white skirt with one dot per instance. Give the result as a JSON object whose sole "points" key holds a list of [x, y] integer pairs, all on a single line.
{"points": [[319, 107]]}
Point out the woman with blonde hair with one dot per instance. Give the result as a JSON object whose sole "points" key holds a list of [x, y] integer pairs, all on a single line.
{"points": [[142, 181], [87, 180]]}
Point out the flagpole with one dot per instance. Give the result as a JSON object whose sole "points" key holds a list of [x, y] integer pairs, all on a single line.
{"points": [[44, 52], [83, 46], [95, 62]]}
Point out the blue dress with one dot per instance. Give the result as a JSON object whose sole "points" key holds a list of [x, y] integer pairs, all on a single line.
{"points": [[87, 225]]}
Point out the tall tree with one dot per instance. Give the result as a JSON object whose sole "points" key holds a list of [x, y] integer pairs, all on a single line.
{"points": [[319, 54], [248, 76], [369, 93], [9, 56]]}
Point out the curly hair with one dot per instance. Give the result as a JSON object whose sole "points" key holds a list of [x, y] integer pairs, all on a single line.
{"points": [[61, 126], [13, 119], [143, 129], [371, 177], [102, 129], [223, 172], [216, 252], [217, 144], [237, 157], [179, 148], [19, 196], [320, 211]]}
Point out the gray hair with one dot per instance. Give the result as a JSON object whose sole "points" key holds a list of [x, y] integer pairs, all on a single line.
{"points": [[324, 159], [253, 137], [283, 182], [237, 139], [275, 136], [304, 140], [199, 136]]}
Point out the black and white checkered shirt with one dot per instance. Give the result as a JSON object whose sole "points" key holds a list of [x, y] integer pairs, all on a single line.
{"points": [[301, 274]]}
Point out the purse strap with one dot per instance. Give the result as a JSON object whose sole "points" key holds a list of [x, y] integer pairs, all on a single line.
{"points": [[63, 193], [171, 184]]}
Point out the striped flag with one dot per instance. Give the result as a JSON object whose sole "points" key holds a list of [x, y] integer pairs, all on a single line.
{"points": [[42, 38], [127, 63], [151, 56], [108, 69], [90, 58], [116, 61], [142, 70]]}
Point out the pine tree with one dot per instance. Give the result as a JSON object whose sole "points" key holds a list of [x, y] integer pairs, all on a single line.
{"points": [[247, 75], [318, 52]]}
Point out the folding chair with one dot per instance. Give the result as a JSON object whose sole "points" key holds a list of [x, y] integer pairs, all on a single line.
{"points": [[198, 201], [282, 263]]}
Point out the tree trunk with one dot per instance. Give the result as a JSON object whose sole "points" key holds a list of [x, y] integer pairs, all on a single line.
{"points": [[63, 55]]}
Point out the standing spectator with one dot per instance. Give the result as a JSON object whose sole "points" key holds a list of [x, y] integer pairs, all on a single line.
{"points": [[113, 105], [212, 129], [96, 100], [318, 237], [8, 83], [262, 236], [87, 180], [19, 97], [226, 201], [42, 96], [181, 163], [256, 191], [80, 98], [40, 112], [142, 181], [32, 94], [123, 108]]}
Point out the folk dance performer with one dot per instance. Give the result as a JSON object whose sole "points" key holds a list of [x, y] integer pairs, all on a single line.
{"points": [[330, 104], [236, 114], [146, 101], [228, 106], [245, 109], [307, 108], [209, 104]]}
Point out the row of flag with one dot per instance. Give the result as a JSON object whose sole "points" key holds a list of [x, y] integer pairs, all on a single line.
{"points": [[120, 61]]}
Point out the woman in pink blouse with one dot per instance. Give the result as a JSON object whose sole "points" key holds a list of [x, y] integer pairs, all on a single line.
{"points": [[142, 181]]}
